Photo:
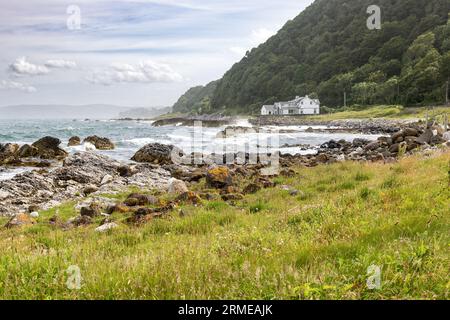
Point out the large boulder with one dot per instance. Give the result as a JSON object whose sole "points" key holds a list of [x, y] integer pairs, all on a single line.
{"points": [[20, 220], [100, 143], [219, 177], [156, 153], [48, 148], [8, 152]]}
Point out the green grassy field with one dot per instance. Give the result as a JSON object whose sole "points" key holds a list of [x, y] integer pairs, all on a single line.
{"points": [[388, 112], [317, 244]]}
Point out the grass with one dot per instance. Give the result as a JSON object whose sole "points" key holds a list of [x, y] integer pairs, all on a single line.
{"points": [[270, 245], [388, 112]]}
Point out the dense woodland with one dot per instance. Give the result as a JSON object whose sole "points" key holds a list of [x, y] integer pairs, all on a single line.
{"points": [[328, 50]]}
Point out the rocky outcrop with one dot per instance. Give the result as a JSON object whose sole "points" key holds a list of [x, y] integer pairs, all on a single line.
{"points": [[100, 143], [48, 148], [48, 188], [156, 153]]}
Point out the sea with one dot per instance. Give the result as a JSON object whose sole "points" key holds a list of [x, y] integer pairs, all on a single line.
{"points": [[130, 136]]}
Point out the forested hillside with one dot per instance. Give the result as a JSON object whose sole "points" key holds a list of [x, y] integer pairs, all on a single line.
{"points": [[196, 100], [328, 50]]}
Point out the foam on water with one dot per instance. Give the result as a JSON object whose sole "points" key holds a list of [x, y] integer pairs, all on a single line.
{"points": [[129, 136]]}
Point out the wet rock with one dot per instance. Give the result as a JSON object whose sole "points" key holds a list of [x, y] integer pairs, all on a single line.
{"points": [[177, 187], [74, 141], [100, 143], [156, 153], [219, 177], [48, 148]]}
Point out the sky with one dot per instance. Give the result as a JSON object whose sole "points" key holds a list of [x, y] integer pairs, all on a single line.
{"points": [[136, 53]]}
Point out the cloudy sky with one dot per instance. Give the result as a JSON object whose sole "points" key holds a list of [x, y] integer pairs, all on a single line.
{"points": [[126, 52]]}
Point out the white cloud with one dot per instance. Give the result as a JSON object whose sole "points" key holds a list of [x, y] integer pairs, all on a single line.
{"points": [[22, 67], [261, 35], [257, 37], [144, 72], [12, 85], [64, 64]]}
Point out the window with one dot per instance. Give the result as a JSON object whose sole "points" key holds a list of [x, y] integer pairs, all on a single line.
{"points": [[291, 111]]}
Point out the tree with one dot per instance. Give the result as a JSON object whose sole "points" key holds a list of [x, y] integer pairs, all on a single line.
{"points": [[445, 72]]}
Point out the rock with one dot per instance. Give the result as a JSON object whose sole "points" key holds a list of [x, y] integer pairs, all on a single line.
{"points": [[125, 171], [8, 152], [100, 143], [426, 136], [322, 158], [74, 141], [219, 177], [287, 173], [372, 146], [137, 199], [120, 208], [156, 153], [33, 208], [80, 221], [189, 197], [106, 179], [107, 227], [309, 130], [252, 188], [358, 142], [48, 148], [232, 197], [396, 136], [446, 136], [34, 214], [410, 132], [177, 186], [394, 148], [27, 151], [89, 189], [20, 220], [92, 211]]}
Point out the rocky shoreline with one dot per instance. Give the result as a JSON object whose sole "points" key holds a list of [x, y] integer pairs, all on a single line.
{"points": [[365, 126], [75, 177]]}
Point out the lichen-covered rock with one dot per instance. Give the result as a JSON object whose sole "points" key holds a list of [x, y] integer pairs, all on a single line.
{"points": [[219, 177], [156, 153], [100, 143]]}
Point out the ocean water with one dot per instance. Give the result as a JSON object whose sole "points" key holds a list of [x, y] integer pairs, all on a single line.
{"points": [[129, 136]]}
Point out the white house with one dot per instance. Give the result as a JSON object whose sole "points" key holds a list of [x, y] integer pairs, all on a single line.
{"points": [[298, 106]]}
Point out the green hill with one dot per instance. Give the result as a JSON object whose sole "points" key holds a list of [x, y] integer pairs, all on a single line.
{"points": [[328, 49]]}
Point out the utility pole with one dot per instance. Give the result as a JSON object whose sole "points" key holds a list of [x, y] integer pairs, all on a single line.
{"points": [[446, 94]]}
